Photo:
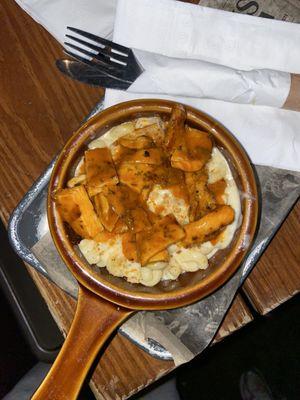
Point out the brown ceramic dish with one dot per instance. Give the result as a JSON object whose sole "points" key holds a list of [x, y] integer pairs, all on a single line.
{"points": [[104, 300]]}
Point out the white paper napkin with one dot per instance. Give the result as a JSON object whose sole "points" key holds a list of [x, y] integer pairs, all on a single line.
{"points": [[185, 31], [198, 78], [174, 29], [202, 79], [95, 16]]}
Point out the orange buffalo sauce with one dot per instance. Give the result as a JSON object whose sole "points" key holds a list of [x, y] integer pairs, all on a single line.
{"points": [[110, 199]]}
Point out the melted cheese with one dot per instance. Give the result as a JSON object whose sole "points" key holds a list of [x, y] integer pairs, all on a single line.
{"points": [[110, 255], [218, 168], [163, 202], [112, 135], [190, 260]]}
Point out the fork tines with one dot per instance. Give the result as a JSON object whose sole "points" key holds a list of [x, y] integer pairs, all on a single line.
{"points": [[104, 42], [105, 54], [100, 50], [117, 60]]}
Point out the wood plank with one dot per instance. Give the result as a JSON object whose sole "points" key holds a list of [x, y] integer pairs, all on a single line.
{"points": [[238, 316], [276, 277], [39, 107]]}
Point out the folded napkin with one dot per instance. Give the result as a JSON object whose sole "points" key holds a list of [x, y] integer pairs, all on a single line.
{"points": [[226, 47], [202, 79], [95, 16], [197, 77], [185, 31]]}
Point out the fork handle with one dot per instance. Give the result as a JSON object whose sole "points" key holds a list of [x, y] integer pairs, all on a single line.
{"points": [[95, 319], [293, 100]]}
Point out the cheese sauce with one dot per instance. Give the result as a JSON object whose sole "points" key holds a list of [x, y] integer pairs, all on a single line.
{"points": [[162, 201]]}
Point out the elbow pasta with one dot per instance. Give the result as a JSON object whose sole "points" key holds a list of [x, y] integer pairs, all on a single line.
{"points": [[134, 163], [150, 277]]}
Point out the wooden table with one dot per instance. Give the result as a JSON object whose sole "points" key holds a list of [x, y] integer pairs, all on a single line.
{"points": [[40, 108]]}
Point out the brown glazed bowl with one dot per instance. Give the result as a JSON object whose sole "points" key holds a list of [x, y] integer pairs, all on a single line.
{"points": [[104, 300]]}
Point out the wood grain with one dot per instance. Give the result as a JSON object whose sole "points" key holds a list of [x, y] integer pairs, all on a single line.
{"points": [[293, 100], [238, 316], [39, 109], [276, 277]]}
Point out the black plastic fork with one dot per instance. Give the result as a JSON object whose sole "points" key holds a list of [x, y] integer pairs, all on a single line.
{"points": [[112, 59]]}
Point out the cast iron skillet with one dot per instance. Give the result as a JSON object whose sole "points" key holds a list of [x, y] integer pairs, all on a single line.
{"points": [[105, 301]]}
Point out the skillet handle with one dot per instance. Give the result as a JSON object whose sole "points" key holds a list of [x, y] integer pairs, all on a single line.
{"points": [[95, 319]]}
